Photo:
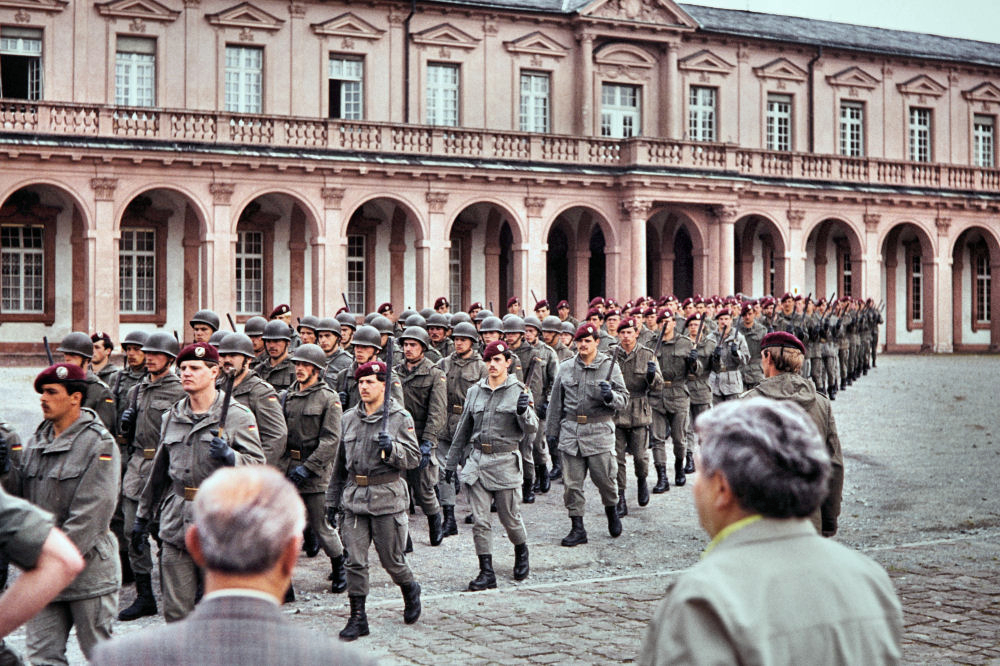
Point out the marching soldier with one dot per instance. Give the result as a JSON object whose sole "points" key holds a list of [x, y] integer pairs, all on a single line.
{"points": [[584, 399], [378, 444], [497, 416], [513, 333], [133, 372], [730, 356], [671, 404], [348, 324], [548, 364], [313, 414], [552, 335], [328, 335], [366, 343], [158, 391], [235, 355], [203, 324], [277, 370], [753, 332], [101, 363], [254, 329], [699, 367], [563, 312], [642, 377], [437, 330], [77, 348], [194, 442], [307, 330]]}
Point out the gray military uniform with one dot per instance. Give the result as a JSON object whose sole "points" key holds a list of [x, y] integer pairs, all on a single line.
{"points": [[262, 400], [726, 379], [461, 374], [280, 376], [425, 395], [753, 374], [336, 362], [98, 398], [671, 404], [345, 382], [633, 421]]}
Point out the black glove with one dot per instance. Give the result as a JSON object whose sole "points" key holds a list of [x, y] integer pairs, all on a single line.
{"points": [[127, 422], [331, 516], [343, 398], [425, 454], [385, 443], [650, 371], [140, 530], [541, 409], [717, 353], [522, 403], [693, 356], [606, 394], [300, 475], [218, 449], [734, 349], [449, 476]]}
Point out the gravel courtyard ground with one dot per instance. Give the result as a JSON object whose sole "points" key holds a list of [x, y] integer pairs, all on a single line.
{"points": [[921, 436]]}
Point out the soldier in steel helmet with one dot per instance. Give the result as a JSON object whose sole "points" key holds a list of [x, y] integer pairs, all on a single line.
{"points": [[366, 344], [283, 313], [438, 328], [77, 348], [328, 335], [203, 324], [277, 370], [254, 329]]}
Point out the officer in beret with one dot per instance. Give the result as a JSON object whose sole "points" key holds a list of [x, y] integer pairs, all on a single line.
{"points": [[368, 485], [442, 305], [542, 309], [77, 348], [564, 314], [101, 362], [194, 442], [71, 468], [514, 306]]}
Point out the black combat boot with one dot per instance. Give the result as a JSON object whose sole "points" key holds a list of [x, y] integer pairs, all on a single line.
{"points": [[614, 522], [833, 392], [434, 529], [145, 602], [411, 602], [843, 384], [556, 472], [409, 545], [662, 484], [357, 624], [527, 494], [469, 519], [689, 463], [577, 534], [310, 542], [486, 580], [521, 561], [542, 479], [289, 595], [448, 527], [642, 491], [621, 509], [128, 577], [338, 575], [679, 478]]}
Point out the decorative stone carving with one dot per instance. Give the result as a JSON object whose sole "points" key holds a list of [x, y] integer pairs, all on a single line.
{"points": [[436, 201], [943, 225], [332, 196], [104, 188], [872, 221], [221, 193], [795, 217], [637, 208], [534, 205], [726, 213]]}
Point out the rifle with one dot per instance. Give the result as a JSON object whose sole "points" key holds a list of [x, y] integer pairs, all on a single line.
{"points": [[530, 374], [829, 311], [129, 437], [232, 323], [176, 336], [225, 403], [697, 339], [346, 304], [388, 389], [48, 352], [614, 361], [533, 295], [491, 307]]}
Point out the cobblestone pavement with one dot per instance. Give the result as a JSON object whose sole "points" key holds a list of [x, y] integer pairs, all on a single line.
{"points": [[921, 436]]}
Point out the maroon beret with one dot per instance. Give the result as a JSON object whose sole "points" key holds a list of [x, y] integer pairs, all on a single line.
{"points": [[494, 348], [722, 312], [612, 313], [512, 300], [787, 296], [562, 304], [629, 322], [597, 300], [698, 300], [694, 317], [60, 373], [544, 303], [385, 307], [686, 302], [585, 330], [665, 315], [199, 351], [475, 306], [648, 312], [782, 339], [441, 300], [280, 310], [747, 309], [594, 312], [101, 335], [376, 368]]}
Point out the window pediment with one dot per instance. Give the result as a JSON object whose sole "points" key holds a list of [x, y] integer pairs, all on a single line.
{"points": [[706, 62], [36, 5], [447, 36], [853, 77], [348, 25], [656, 12], [985, 92], [536, 43], [782, 69], [147, 10], [922, 85], [245, 15]]}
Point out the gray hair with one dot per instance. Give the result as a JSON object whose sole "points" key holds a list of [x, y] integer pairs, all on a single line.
{"points": [[245, 517], [770, 453]]}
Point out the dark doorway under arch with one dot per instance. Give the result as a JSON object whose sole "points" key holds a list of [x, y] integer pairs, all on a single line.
{"points": [[598, 280], [557, 265], [683, 264]]}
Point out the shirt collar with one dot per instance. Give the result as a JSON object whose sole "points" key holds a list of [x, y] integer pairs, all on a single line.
{"points": [[240, 592], [728, 530]]}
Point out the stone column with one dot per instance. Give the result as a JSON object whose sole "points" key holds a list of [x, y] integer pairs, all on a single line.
{"points": [[435, 262], [103, 259], [796, 257], [491, 252], [299, 36], [537, 259], [636, 212], [585, 85], [726, 215], [329, 255], [944, 334], [581, 277], [219, 276], [994, 306], [873, 266], [670, 87]]}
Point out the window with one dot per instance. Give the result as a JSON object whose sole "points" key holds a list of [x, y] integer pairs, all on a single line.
{"points": [[249, 272], [772, 274], [620, 117], [846, 274], [534, 102], [920, 135], [244, 79], [135, 72], [701, 114], [852, 129], [982, 287], [347, 77], [20, 63], [442, 95], [455, 276], [916, 287], [779, 122], [356, 273], [137, 271], [983, 141], [23, 288]]}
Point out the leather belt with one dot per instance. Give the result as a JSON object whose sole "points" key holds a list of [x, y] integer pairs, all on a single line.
{"points": [[456, 409], [295, 454], [667, 382], [584, 419], [148, 454], [187, 492], [376, 480], [487, 447]]}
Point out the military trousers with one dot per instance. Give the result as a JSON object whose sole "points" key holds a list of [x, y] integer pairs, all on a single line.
{"points": [[446, 491], [672, 424], [316, 519], [389, 534], [422, 484], [830, 367], [818, 373], [142, 563], [633, 441], [48, 632], [866, 342], [692, 439], [179, 580], [602, 472], [508, 503], [844, 356], [718, 398]]}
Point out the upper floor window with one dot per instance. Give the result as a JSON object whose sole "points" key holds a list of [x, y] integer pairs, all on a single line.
{"points": [[135, 71], [852, 129], [244, 79], [620, 117], [22, 256], [984, 141], [779, 122], [701, 113], [442, 94], [20, 63], [346, 77], [920, 135], [534, 102], [137, 271]]}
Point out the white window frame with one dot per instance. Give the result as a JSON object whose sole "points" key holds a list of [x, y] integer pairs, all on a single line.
{"points": [[455, 276], [22, 290], [852, 129], [916, 288], [443, 94], [779, 122], [982, 287], [984, 140], [536, 101], [621, 115], [702, 113], [350, 72], [135, 289], [26, 42], [135, 71], [848, 275], [244, 79], [920, 125], [249, 272], [357, 271]]}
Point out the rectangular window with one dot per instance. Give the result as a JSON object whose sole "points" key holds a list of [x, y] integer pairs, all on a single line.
{"points": [[779, 122], [356, 273], [620, 117], [772, 274], [920, 135], [701, 113], [442, 95], [22, 251], [346, 81], [847, 278], [534, 102], [249, 272], [983, 287], [20, 63], [137, 271], [983, 150], [916, 288], [244, 79], [852, 129], [455, 275], [135, 72]]}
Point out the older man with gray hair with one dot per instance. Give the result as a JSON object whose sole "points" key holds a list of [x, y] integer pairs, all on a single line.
{"points": [[769, 589], [247, 534]]}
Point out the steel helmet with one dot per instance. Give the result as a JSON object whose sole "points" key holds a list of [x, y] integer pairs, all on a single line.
{"points": [[217, 338], [236, 343], [77, 343], [277, 330], [329, 324], [206, 317], [459, 317], [513, 324], [367, 336], [137, 338], [370, 317], [438, 320], [254, 327], [162, 343], [415, 320], [491, 324], [551, 324], [534, 322], [568, 327], [310, 353], [347, 319], [426, 313], [406, 314], [309, 322], [416, 333], [384, 325], [465, 329], [483, 314]]}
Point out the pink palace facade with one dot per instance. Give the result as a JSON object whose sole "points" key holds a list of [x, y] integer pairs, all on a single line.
{"points": [[161, 156]]}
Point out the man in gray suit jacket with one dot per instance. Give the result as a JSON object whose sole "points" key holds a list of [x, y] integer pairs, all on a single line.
{"points": [[239, 620]]}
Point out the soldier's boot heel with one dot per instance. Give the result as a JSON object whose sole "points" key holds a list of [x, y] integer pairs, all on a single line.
{"points": [[621, 509], [434, 529], [487, 579], [145, 602], [689, 463], [642, 491], [469, 519], [542, 479], [527, 494], [577, 534], [338, 575], [357, 624], [521, 567], [448, 527], [289, 595], [310, 542], [556, 472], [662, 484], [411, 602], [679, 478], [614, 522], [833, 393]]}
